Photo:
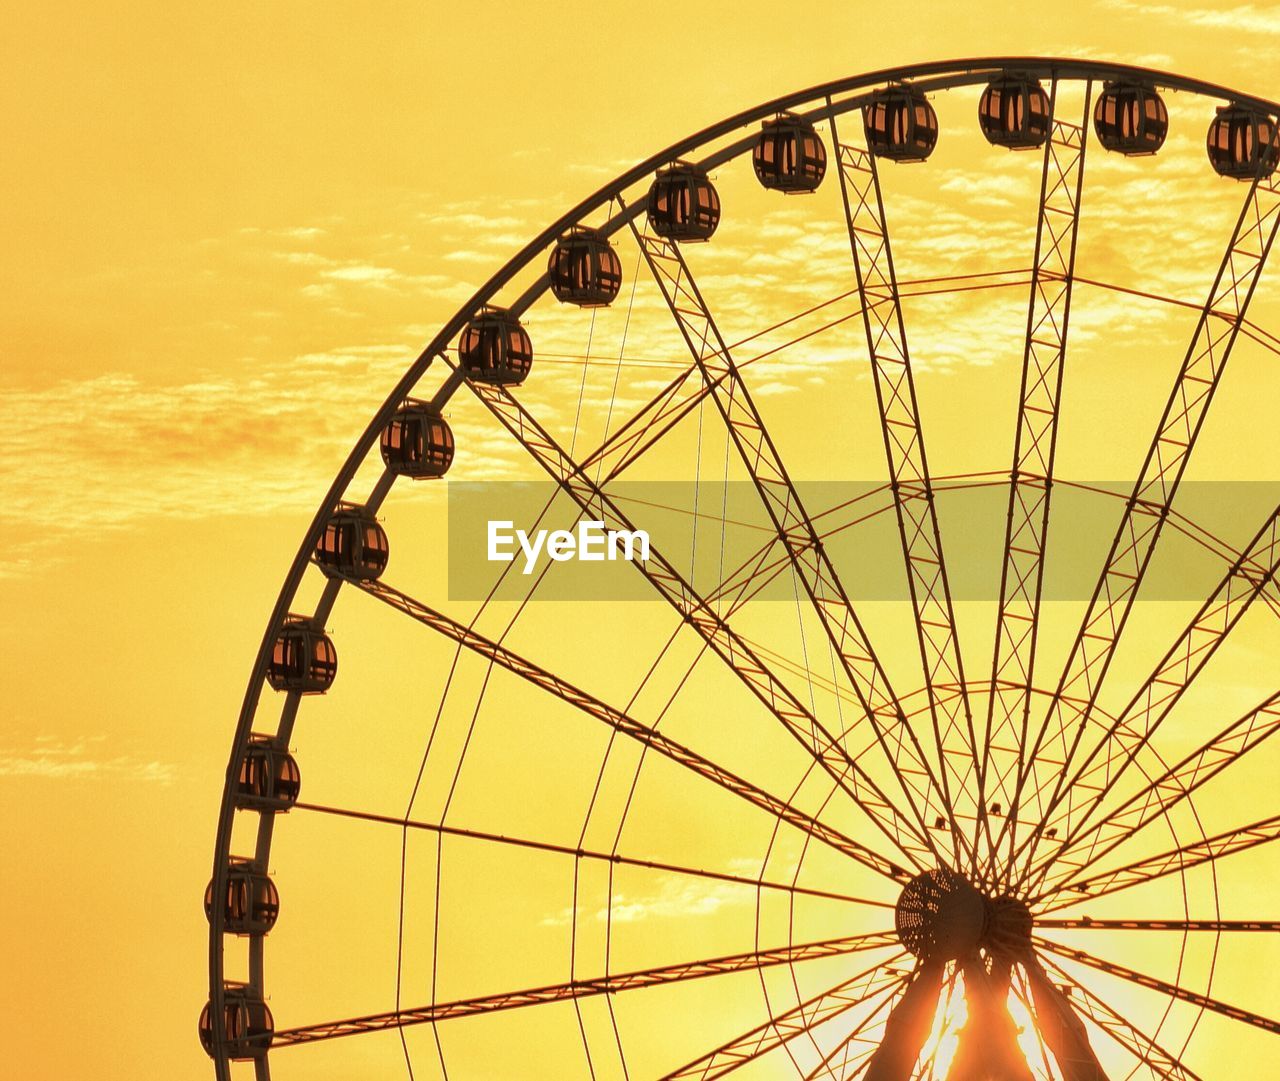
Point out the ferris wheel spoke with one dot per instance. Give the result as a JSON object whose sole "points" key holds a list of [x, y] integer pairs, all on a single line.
{"points": [[1092, 1007], [911, 837], [1087, 923], [912, 487], [1178, 782], [795, 530], [780, 1029], [1206, 850], [1058, 738], [1154, 983], [629, 726], [1031, 480], [1084, 794], [849, 1059], [585, 988], [578, 852], [679, 397]]}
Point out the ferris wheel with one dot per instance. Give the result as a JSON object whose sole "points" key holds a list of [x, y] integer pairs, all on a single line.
{"points": [[749, 821]]}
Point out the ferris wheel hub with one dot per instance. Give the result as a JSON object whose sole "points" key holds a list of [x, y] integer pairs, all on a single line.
{"points": [[941, 916]]}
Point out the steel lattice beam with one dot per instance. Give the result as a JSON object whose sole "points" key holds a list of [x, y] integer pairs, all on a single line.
{"points": [[1087, 923], [909, 474], [629, 726], [781, 1029], [1147, 710], [1141, 1046], [1031, 480], [1170, 862], [1183, 994], [576, 989], [1177, 783], [579, 852], [755, 674], [850, 1058], [796, 532], [1058, 738]]}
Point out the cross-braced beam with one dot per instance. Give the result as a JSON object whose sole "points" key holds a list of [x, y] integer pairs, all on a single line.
{"points": [[954, 735], [1058, 738], [586, 988], [850, 1058], [765, 1038], [1031, 481], [1184, 857], [1082, 797], [796, 532], [1182, 994], [579, 852], [629, 726], [1175, 784], [912, 838], [1141, 1046], [1087, 923]]}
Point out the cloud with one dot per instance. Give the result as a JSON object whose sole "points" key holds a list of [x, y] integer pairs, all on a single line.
{"points": [[1247, 18], [360, 272], [55, 759], [673, 897]]}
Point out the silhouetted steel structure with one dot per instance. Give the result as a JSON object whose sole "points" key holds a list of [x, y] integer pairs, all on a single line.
{"points": [[985, 839]]}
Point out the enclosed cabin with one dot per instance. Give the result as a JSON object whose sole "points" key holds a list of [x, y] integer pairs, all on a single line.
{"points": [[353, 545], [1242, 143], [1013, 112], [249, 904], [303, 659], [246, 1023], [900, 124], [268, 779], [788, 155], [683, 203], [495, 349], [584, 269], [417, 442], [1130, 118]]}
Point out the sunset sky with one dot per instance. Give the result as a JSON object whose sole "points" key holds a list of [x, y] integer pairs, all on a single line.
{"points": [[227, 232]]}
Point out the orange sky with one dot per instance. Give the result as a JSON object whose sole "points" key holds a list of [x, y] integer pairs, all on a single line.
{"points": [[226, 235]]}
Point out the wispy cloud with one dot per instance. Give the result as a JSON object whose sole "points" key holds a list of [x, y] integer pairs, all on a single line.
{"points": [[672, 897], [83, 759], [1250, 18]]}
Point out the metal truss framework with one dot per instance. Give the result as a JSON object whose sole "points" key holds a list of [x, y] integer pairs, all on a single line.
{"points": [[1142, 1047], [1031, 481], [1133, 728], [796, 533], [1049, 762], [880, 979], [1182, 994], [575, 989], [629, 726], [1174, 785], [912, 488], [1173, 861]]}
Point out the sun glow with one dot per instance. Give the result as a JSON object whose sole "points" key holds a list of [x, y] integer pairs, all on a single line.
{"points": [[951, 1016]]}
